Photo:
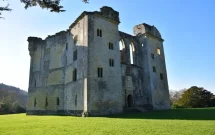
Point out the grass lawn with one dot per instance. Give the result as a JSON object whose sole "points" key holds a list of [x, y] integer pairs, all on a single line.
{"points": [[168, 122]]}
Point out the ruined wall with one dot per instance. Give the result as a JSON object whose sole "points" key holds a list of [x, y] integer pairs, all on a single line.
{"points": [[52, 66], [133, 74], [104, 94]]}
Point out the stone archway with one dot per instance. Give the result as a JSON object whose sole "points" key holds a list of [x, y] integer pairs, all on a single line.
{"points": [[130, 100]]}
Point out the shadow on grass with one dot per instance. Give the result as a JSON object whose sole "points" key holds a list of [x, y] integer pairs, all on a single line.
{"points": [[179, 114]]}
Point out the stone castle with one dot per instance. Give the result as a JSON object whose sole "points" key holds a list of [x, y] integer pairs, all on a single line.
{"points": [[95, 69]]}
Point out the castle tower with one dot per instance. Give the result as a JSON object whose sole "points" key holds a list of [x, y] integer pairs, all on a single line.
{"points": [[104, 74], [155, 75]]}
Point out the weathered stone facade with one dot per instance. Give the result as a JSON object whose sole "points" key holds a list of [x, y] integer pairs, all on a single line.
{"points": [[83, 71]]}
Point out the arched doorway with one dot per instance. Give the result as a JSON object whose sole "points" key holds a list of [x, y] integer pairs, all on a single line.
{"points": [[130, 100]]}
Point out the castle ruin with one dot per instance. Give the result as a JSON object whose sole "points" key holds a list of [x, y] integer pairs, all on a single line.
{"points": [[95, 69]]}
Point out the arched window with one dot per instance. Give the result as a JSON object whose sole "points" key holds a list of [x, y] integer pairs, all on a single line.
{"points": [[132, 50], [75, 74], [121, 44], [122, 50]]}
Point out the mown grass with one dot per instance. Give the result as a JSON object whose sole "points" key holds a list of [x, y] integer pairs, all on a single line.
{"points": [[168, 122]]}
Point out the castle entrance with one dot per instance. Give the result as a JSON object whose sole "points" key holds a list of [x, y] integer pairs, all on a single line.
{"points": [[130, 100]]}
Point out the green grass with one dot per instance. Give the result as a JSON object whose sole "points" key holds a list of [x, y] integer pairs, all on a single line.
{"points": [[169, 122]]}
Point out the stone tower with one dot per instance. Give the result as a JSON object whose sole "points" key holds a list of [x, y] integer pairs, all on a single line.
{"points": [[83, 71]]}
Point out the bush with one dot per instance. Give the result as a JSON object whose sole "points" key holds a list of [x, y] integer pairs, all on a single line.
{"points": [[17, 108], [175, 106]]}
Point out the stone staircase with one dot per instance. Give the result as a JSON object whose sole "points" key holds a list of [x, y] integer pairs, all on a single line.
{"points": [[138, 109]]}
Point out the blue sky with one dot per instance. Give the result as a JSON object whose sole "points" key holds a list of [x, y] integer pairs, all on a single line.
{"points": [[187, 27]]}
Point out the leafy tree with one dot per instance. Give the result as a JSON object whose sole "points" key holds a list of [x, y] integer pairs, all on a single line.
{"points": [[6, 106], [196, 97], [175, 96], [52, 5]]}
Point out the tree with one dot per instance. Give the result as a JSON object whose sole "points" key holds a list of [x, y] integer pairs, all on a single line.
{"points": [[52, 5], [175, 96], [196, 97]]}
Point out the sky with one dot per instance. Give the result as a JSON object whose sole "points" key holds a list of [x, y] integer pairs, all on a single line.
{"points": [[187, 26]]}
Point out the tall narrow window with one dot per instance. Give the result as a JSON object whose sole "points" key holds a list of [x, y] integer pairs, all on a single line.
{"points": [[158, 51], [111, 46], [75, 53], [152, 55], [35, 102], [66, 46], [154, 69], [46, 104], [98, 32], [58, 101], [161, 76], [35, 83], [45, 81], [121, 45], [46, 64], [131, 47], [122, 50], [75, 39], [100, 72], [47, 51], [76, 100], [111, 62], [75, 74]]}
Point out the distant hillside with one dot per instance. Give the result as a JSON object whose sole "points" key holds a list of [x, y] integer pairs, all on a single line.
{"points": [[16, 94]]}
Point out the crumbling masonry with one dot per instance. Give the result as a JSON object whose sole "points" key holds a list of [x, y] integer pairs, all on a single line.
{"points": [[95, 69]]}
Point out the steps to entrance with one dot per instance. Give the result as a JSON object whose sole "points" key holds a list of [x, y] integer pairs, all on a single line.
{"points": [[137, 109]]}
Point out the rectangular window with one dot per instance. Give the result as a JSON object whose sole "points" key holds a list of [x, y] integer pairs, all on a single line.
{"points": [[98, 32], [154, 69], [111, 46], [100, 72], [66, 46], [158, 51], [75, 74], [153, 56], [47, 51], [35, 102], [75, 53], [58, 101], [45, 81], [161, 76], [35, 83], [111, 62], [46, 64], [46, 102], [76, 100]]}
